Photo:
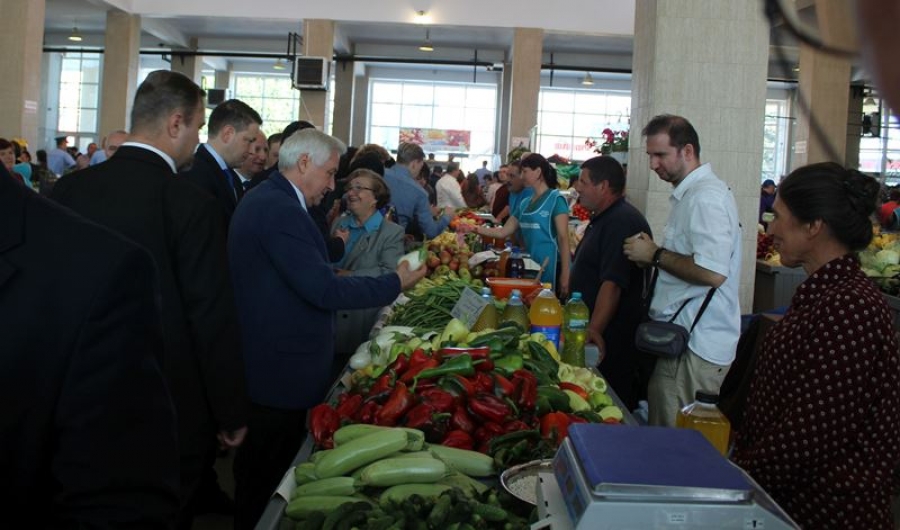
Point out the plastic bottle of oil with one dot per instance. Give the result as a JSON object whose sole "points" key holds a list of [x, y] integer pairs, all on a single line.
{"points": [[488, 317], [546, 315], [515, 310], [703, 415]]}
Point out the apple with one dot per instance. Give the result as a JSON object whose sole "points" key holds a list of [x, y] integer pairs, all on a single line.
{"points": [[432, 261], [444, 257]]}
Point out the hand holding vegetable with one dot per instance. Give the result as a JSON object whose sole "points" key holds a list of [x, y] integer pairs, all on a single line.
{"points": [[409, 277]]}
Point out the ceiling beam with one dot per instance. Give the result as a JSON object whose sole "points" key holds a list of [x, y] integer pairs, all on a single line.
{"points": [[165, 32]]}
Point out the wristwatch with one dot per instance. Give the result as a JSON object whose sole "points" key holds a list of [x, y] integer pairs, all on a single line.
{"points": [[656, 256]]}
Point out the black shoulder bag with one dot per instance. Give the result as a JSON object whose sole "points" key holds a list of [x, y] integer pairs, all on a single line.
{"points": [[665, 338]]}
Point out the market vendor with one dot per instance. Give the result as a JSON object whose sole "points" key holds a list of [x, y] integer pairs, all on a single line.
{"points": [[374, 246], [822, 429], [544, 222], [287, 292]]}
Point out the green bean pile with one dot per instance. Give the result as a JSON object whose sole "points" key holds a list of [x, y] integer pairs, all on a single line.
{"points": [[429, 311]]}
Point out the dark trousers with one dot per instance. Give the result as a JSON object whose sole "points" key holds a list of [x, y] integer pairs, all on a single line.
{"points": [[273, 438]]}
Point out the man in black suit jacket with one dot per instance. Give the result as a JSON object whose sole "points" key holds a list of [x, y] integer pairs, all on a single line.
{"points": [[137, 194], [87, 428], [233, 127]]}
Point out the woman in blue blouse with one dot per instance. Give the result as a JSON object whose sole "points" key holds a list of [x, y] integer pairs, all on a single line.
{"points": [[543, 220]]}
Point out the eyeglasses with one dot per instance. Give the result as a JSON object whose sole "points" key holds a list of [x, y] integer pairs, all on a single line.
{"points": [[358, 188]]}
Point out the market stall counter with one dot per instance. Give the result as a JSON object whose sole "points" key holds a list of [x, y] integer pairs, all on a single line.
{"points": [[274, 516]]}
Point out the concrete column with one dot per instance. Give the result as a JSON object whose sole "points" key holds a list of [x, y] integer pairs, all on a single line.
{"points": [[318, 41], [360, 102], [503, 146], [121, 61], [343, 100], [21, 38], [854, 126], [824, 84], [706, 61], [525, 81], [189, 65]]}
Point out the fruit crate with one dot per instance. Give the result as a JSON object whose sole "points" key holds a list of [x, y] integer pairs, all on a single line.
{"points": [[775, 286]]}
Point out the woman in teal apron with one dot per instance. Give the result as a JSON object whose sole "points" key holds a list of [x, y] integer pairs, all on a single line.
{"points": [[544, 222]]}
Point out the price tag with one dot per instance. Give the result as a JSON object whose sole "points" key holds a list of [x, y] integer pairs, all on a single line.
{"points": [[469, 307]]}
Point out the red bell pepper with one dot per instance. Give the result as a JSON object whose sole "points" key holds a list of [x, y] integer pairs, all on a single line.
{"points": [[418, 357], [515, 425], [323, 422], [503, 386], [384, 383], [459, 385], [460, 420], [476, 353], [439, 400], [555, 426], [483, 383], [400, 401], [368, 411], [525, 393], [484, 365], [489, 407], [349, 405], [459, 439], [578, 389], [419, 417], [400, 364], [415, 369]]}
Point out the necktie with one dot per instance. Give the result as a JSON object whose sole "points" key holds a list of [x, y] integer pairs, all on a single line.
{"points": [[236, 187]]}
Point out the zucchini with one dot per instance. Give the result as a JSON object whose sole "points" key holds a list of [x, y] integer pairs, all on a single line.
{"points": [[353, 431], [394, 471], [315, 457], [400, 493], [415, 454], [305, 472], [361, 451], [302, 507], [470, 463], [464, 483], [328, 486]]}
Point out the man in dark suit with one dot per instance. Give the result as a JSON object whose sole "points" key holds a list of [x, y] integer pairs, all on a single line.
{"points": [[287, 293], [233, 127], [137, 194], [87, 428]]}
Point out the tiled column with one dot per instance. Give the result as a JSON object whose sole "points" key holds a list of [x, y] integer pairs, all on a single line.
{"points": [[525, 81], [343, 100], [318, 41], [189, 65], [223, 78], [120, 69], [707, 61], [21, 38], [360, 109], [824, 84]]}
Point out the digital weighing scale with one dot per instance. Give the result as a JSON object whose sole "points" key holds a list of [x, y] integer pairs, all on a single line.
{"points": [[619, 477]]}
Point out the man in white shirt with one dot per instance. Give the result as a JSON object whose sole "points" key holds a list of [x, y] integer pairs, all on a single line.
{"points": [[701, 249], [447, 188]]}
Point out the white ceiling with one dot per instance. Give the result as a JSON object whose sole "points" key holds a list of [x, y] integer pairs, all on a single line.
{"points": [[267, 36]]}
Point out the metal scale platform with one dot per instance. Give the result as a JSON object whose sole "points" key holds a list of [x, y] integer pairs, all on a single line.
{"points": [[616, 477]]}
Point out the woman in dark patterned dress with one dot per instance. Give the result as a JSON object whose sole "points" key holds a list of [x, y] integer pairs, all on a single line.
{"points": [[822, 428]]}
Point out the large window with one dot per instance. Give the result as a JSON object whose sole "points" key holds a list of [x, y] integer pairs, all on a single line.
{"points": [[431, 105], [568, 117], [79, 96], [271, 96], [775, 139]]}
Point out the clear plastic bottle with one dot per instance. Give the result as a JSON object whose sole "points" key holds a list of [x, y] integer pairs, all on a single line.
{"points": [[577, 317], [488, 317], [546, 315], [703, 415], [515, 310], [516, 264]]}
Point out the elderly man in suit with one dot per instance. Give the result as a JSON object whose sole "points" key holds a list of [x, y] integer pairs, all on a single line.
{"points": [[137, 194], [87, 436], [233, 128], [287, 294]]}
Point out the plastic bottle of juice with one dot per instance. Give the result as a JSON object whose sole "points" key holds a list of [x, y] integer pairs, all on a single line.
{"points": [[546, 315], [516, 264], [502, 266], [703, 415], [575, 330], [515, 310], [488, 317]]}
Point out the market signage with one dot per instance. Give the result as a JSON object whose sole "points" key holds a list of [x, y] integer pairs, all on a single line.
{"points": [[453, 140]]}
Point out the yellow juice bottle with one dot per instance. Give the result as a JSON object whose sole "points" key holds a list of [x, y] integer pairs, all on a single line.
{"points": [[704, 416]]}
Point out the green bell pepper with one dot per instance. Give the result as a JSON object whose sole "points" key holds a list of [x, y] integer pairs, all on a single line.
{"points": [[509, 363]]}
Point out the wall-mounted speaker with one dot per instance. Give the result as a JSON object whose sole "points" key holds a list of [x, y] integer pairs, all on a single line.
{"points": [[310, 73], [216, 96]]}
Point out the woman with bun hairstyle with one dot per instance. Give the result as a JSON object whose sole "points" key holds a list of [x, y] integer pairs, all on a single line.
{"points": [[822, 427], [544, 222]]}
